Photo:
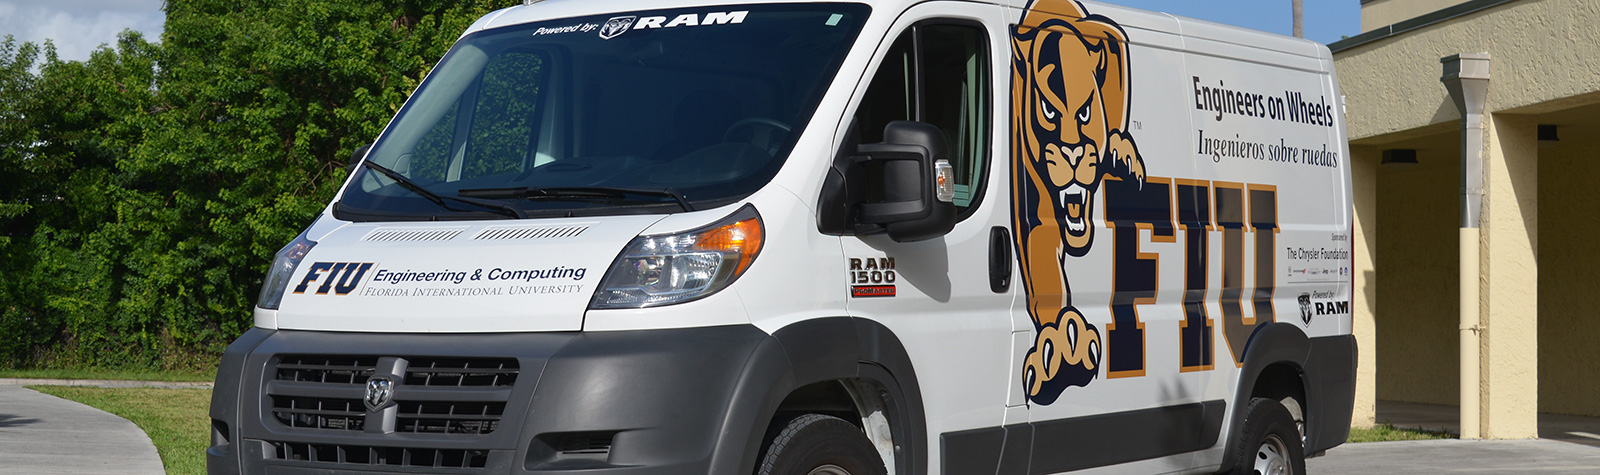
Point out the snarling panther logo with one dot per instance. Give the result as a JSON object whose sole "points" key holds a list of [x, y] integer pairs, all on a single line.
{"points": [[1069, 98]]}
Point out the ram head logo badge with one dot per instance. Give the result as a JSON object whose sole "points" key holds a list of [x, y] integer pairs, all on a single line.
{"points": [[380, 392], [616, 26], [1305, 308]]}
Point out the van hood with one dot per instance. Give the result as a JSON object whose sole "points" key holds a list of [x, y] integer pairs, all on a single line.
{"points": [[455, 278]]}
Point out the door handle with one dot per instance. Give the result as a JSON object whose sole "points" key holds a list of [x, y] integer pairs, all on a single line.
{"points": [[999, 259]]}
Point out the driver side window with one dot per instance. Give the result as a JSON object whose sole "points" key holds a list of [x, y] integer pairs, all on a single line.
{"points": [[936, 73]]}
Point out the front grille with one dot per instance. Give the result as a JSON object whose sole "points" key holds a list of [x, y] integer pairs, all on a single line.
{"points": [[449, 418], [493, 372], [326, 369], [380, 456], [319, 413], [449, 396]]}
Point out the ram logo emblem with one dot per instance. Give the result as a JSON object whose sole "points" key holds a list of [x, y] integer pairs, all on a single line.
{"points": [[616, 27], [380, 392]]}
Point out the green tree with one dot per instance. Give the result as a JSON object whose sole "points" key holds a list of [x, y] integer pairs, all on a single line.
{"points": [[60, 239], [157, 180], [20, 327]]}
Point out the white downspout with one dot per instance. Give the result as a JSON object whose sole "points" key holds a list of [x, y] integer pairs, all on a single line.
{"points": [[1466, 75]]}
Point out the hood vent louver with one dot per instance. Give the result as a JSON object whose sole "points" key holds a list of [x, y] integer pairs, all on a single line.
{"points": [[538, 232], [412, 235]]}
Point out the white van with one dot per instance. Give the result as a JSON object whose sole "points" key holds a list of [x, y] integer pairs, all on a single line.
{"points": [[855, 237]]}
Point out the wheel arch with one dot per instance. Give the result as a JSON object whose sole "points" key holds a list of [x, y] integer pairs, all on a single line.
{"points": [[1278, 352], [832, 358]]}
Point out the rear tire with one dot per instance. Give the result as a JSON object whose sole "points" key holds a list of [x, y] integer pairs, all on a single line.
{"points": [[1268, 443], [814, 444]]}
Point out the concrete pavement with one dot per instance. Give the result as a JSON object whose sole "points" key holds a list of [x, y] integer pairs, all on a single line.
{"points": [[1569, 445], [1565, 428], [1451, 456], [44, 434]]}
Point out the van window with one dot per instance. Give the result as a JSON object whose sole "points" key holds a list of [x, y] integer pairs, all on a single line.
{"points": [[625, 113], [502, 110], [934, 73]]}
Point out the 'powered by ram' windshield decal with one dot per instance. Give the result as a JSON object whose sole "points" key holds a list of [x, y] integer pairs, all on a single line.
{"points": [[619, 25]]}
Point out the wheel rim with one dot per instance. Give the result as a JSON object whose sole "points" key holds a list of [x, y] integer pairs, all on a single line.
{"points": [[829, 470], [1272, 458]]}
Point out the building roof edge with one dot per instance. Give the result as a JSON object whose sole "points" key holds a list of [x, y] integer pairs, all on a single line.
{"points": [[1440, 16]]}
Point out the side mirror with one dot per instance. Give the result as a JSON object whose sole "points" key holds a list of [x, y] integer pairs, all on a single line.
{"points": [[355, 158], [917, 184]]}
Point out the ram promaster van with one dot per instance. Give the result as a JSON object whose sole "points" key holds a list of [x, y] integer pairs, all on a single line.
{"points": [[821, 238]]}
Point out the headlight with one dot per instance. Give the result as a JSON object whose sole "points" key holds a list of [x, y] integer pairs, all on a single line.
{"points": [[676, 268], [282, 268]]}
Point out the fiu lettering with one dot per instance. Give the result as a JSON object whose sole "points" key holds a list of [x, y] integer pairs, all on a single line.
{"points": [[1239, 211], [339, 277]]}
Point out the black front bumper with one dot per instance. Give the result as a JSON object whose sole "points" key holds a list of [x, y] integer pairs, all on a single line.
{"points": [[661, 401]]}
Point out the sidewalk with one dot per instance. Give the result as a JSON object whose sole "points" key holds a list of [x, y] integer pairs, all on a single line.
{"points": [[1564, 428], [1452, 456], [1568, 445], [43, 434]]}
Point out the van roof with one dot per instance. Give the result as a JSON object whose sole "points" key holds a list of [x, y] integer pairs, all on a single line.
{"points": [[1130, 18]]}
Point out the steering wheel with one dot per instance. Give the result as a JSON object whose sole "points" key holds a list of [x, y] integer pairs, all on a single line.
{"points": [[770, 141]]}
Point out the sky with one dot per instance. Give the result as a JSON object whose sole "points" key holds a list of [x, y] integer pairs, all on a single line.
{"points": [[79, 26], [1324, 21]]}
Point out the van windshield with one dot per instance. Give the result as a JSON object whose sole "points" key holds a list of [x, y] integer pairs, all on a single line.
{"points": [[638, 112]]}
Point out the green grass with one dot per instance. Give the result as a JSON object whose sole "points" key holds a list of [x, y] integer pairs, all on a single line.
{"points": [[112, 374], [175, 419], [1389, 433]]}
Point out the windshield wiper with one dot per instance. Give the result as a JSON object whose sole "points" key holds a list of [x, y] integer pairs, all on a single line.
{"points": [[437, 199], [576, 192]]}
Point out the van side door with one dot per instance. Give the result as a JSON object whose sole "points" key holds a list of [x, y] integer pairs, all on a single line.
{"points": [[937, 65]]}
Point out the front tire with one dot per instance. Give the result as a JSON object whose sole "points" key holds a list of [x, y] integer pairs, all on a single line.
{"points": [[1268, 442], [815, 444]]}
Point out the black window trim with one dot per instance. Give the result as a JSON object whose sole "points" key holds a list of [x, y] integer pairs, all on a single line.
{"points": [[980, 183]]}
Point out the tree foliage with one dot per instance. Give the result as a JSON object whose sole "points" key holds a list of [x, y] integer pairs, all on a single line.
{"points": [[144, 191]]}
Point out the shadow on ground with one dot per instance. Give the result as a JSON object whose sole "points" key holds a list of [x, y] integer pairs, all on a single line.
{"points": [[12, 420]]}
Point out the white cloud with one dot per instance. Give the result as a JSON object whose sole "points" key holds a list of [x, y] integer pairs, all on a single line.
{"points": [[77, 27]]}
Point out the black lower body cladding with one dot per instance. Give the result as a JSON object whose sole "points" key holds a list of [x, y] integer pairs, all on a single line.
{"points": [[1331, 390], [659, 402]]}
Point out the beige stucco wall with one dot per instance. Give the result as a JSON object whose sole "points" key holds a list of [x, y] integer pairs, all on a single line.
{"points": [[1381, 13], [1392, 85], [1364, 169], [1510, 271], [1537, 349], [1569, 313], [1416, 278]]}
